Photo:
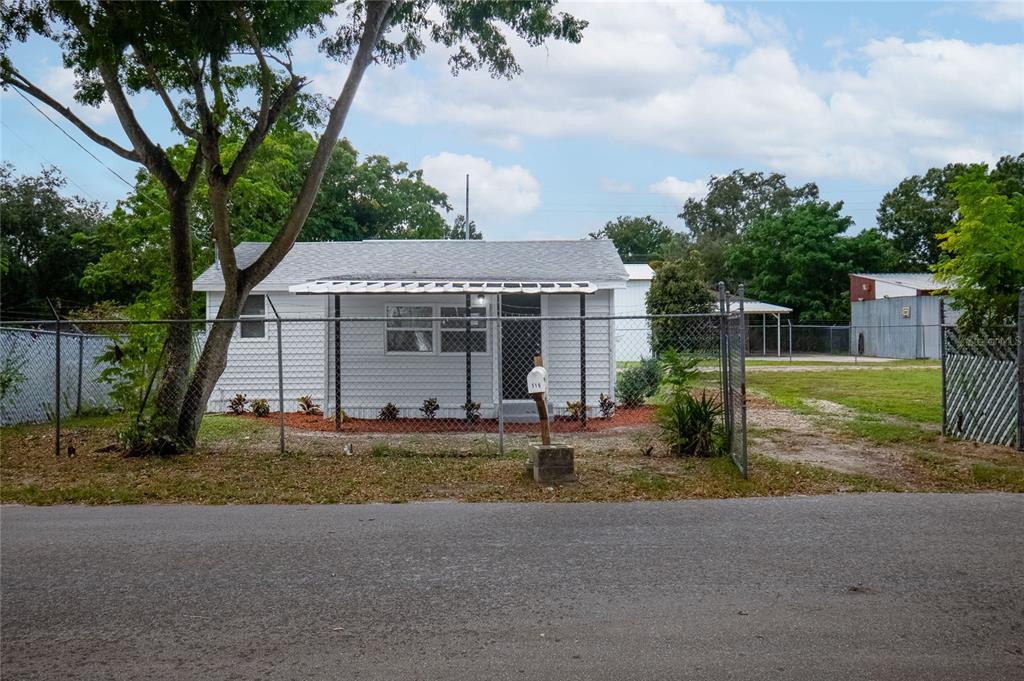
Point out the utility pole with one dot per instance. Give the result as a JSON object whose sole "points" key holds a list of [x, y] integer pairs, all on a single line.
{"points": [[467, 207]]}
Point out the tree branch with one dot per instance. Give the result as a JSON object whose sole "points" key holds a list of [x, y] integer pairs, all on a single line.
{"points": [[23, 84], [377, 14], [262, 129], [158, 85]]}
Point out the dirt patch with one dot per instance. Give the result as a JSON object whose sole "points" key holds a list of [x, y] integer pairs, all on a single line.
{"points": [[624, 417], [830, 408], [796, 438]]}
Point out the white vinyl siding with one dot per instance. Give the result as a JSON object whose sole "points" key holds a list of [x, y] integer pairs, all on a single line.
{"points": [[562, 345], [252, 362], [371, 376]]}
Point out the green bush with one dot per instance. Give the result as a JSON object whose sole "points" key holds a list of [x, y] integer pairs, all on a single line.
{"points": [[472, 411], [575, 410], [389, 412], [236, 405], [430, 407], [308, 406], [636, 383], [260, 407], [690, 426], [606, 405]]}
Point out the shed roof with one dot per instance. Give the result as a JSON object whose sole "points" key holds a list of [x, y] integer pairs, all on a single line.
{"points": [[590, 260], [640, 272], [920, 281]]}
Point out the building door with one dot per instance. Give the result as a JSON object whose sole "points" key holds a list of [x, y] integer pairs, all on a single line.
{"points": [[520, 341]]}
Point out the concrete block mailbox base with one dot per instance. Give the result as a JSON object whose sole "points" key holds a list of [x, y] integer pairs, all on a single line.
{"points": [[551, 463]]}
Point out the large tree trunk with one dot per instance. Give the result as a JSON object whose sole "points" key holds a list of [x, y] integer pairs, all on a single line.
{"points": [[178, 345], [208, 369]]}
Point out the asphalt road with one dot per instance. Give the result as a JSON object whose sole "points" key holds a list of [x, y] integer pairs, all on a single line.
{"points": [[842, 587]]}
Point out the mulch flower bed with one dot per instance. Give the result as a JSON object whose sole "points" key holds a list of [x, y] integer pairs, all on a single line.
{"points": [[624, 416]]}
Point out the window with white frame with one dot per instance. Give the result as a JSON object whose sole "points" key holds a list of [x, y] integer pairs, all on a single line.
{"points": [[254, 307], [453, 329], [405, 333]]}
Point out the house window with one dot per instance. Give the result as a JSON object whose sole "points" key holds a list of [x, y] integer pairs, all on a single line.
{"points": [[254, 307], [407, 334], [453, 329]]}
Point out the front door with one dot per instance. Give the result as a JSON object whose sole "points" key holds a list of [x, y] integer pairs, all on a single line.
{"points": [[520, 341]]}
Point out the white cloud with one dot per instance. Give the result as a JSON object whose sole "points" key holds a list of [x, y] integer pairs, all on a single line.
{"points": [[615, 187], [1005, 10], [680, 190], [710, 81], [59, 82], [495, 192]]}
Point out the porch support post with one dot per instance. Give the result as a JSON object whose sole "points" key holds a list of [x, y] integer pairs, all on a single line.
{"points": [[778, 334], [583, 358], [498, 344], [337, 362], [469, 359], [764, 335]]}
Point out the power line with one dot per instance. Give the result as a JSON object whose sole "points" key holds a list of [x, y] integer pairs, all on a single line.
{"points": [[43, 156], [79, 144]]}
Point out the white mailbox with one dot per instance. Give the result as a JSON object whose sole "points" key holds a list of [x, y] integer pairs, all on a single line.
{"points": [[537, 381]]}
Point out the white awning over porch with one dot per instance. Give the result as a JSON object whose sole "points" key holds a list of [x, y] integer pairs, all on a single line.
{"points": [[346, 287]]}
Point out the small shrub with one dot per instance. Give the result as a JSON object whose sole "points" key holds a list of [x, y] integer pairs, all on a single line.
{"points": [[430, 407], [576, 410], [692, 426], [260, 408], [635, 384], [389, 412], [606, 405], [236, 405], [141, 438], [472, 411], [308, 406]]}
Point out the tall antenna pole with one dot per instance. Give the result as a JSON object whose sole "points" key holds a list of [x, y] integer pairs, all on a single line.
{"points": [[467, 206]]}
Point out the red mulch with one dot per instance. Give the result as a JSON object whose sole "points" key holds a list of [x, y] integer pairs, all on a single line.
{"points": [[624, 416]]}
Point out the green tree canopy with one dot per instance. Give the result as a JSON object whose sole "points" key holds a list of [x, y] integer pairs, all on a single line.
{"points": [[38, 256], [457, 230], [637, 239], [983, 253], [732, 204], [371, 198], [920, 208], [680, 286], [801, 258]]}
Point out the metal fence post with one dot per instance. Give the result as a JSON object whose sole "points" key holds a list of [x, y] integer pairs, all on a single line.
{"points": [[942, 361], [337, 362], [743, 386], [280, 373], [78, 389], [499, 342], [56, 382], [723, 341], [1020, 371]]}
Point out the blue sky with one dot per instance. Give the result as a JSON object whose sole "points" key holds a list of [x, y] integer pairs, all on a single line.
{"points": [[658, 98]]}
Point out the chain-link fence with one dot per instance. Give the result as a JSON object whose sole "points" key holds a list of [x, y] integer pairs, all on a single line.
{"points": [[983, 384], [428, 368]]}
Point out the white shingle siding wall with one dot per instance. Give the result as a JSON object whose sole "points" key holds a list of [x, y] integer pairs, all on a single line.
{"points": [[632, 336], [562, 348], [370, 377], [252, 362]]}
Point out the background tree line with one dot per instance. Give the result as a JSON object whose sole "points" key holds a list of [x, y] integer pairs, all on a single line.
{"points": [[93, 262], [964, 222]]}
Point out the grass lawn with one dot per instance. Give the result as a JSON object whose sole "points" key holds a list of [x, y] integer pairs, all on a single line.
{"points": [[910, 394], [237, 462]]}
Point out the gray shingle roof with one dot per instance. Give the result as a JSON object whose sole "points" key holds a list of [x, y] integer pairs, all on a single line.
{"points": [[583, 260]]}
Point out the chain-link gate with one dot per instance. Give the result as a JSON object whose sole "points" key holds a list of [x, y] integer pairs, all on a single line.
{"points": [[734, 381], [983, 384]]}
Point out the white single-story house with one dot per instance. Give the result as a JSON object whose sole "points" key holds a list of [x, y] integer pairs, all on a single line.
{"points": [[633, 336], [402, 359]]}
